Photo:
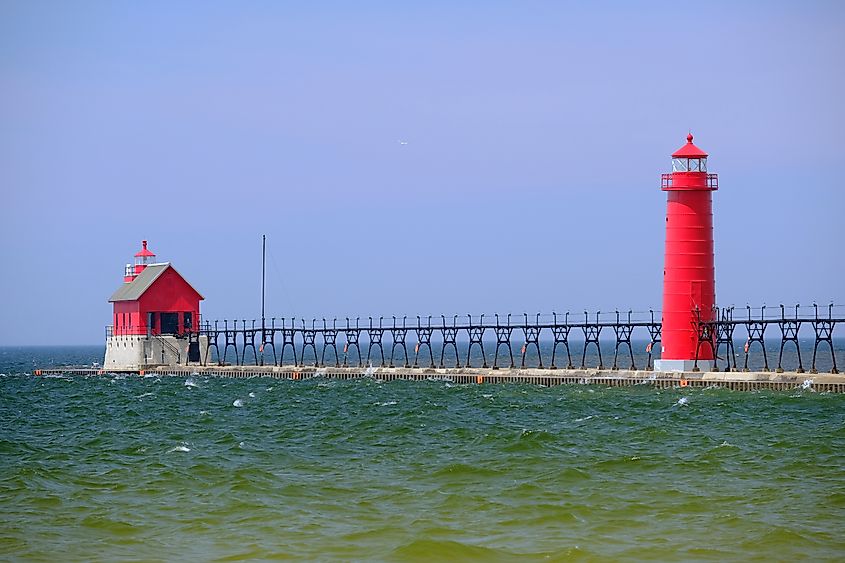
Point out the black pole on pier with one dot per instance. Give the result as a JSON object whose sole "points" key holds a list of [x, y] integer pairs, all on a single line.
{"points": [[263, 268], [263, 264]]}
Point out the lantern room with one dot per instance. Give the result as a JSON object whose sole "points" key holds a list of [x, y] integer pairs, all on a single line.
{"points": [[689, 158], [689, 170]]}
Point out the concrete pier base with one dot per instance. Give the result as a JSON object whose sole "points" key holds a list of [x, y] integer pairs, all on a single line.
{"points": [[682, 365], [739, 381]]}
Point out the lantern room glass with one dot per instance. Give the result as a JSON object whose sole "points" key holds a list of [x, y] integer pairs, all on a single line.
{"points": [[689, 164]]}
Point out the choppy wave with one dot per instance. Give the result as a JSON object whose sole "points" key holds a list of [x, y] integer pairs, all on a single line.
{"points": [[356, 470]]}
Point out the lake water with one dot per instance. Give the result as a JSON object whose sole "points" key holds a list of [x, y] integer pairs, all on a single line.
{"points": [[116, 468]]}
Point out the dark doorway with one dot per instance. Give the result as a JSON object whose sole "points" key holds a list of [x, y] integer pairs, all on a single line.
{"points": [[194, 352], [169, 323], [187, 322], [150, 323]]}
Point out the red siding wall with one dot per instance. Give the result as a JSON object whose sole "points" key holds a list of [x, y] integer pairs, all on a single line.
{"points": [[127, 319]]}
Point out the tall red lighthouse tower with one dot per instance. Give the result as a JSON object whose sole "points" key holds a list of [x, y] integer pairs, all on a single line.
{"points": [[689, 284]]}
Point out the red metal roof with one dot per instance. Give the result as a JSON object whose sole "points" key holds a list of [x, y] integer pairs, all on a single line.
{"points": [[689, 150], [144, 251]]}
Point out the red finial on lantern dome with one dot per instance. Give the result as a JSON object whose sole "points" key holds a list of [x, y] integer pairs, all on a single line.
{"points": [[689, 150]]}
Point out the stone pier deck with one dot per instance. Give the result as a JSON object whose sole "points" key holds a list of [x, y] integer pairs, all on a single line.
{"points": [[741, 381]]}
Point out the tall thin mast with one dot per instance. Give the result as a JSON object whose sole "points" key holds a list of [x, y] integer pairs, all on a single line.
{"points": [[263, 262]]}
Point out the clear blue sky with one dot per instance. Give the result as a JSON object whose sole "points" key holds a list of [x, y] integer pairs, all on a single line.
{"points": [[536, 134]]}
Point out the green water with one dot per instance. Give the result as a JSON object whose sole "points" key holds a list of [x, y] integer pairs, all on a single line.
{"points": [[106, 468]]}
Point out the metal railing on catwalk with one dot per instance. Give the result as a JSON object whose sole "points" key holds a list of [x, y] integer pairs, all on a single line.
{"points": [[460, 340]]}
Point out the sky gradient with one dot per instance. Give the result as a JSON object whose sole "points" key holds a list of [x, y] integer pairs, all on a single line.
{"points": [[441, 157]]}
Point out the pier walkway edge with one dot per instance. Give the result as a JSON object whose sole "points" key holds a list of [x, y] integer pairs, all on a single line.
{"points": [[738, 381]]}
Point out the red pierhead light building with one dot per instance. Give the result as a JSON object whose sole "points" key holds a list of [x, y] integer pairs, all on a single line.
{"points": [[155, 312], [689, 281], [154, 299]]}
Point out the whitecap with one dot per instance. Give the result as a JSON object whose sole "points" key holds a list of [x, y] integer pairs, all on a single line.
{"points": [[241, 445], [808, 384], [238, 403], [190, 383], [433, 378], [251, 394], [270, 388], [650, 379], [142, 395], [584, 418], [179, 449], [682, 402], [386, 403]]}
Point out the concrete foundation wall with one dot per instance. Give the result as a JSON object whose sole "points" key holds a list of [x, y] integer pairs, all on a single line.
{"points": [[124, 352], [133, 352]]}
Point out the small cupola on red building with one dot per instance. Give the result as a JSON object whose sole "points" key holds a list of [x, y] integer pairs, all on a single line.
{"points": [[154, 299], [143, 258]]}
